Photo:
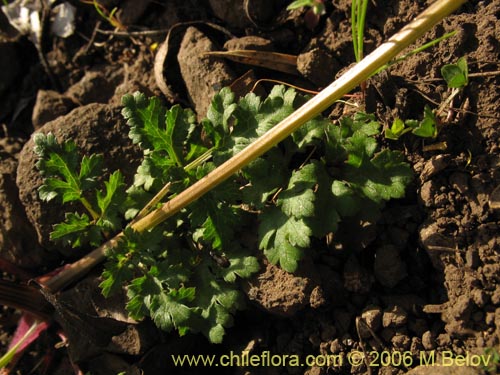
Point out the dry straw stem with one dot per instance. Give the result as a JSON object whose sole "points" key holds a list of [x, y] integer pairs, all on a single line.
{"points": [[348, 81]]}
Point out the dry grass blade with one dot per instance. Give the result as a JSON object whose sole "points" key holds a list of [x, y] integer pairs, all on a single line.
{"points": [[271, 60]]}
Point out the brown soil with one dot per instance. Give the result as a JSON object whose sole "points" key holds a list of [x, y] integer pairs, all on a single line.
{"points": [[425, 277]]}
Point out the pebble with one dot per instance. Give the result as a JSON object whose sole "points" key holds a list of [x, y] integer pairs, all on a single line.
{"points": [[401, 342], [372, 316], [427, 192], [389, 268], [318, 66], [479, 297], [428, 341], [336, 346], [494, 200], [459, 182], [394, 316], [443, 339], [490, 318], [435, 165]]}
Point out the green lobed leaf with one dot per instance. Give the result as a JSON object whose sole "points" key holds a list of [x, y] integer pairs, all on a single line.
{"points": [[427, 128], [359, 147], [253, 117], [139, 290], [116, 274], [311, 133], [397, 129], [265, 175], [384, 177], [217, 301], [346, 198], [456, 75], [282, 238], [221, 109], [90, 169], [59, 164], [109, 202], [76, 230], [169, 310], [154, 127], [298, 199]]}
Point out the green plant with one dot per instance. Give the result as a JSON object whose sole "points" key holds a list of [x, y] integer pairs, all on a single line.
{"points": [[297, 192], [109, 16], [317, 6], [425, 128], [491, 360], [259, 147], [358, 17], [456, 77]]}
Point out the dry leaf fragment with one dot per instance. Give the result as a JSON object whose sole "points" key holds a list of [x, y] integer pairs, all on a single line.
{"points": [[271, 60]]}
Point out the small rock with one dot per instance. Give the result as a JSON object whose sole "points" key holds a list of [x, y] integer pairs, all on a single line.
{"points": [[401, 342], [494, 199], [443, 340], [50, 105], [459, 182], [427, 193], [388, 267], [251, 42], [204, 76], [489, 318], [95, 128], [230, 11], [356, 278], [435, 165], [278, 291], [428, 341], [437, 246], [318, 66], [317, 298], [472, 259], [394, 317], [495, 297], [461, 308], [372, 317], [94, 87], [416, 345], [18, 243], [336, 346], [479, 297]]}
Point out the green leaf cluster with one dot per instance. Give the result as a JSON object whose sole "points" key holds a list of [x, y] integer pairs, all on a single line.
{"points": [[71, 178], [317, 6], [184, 273], [456, 75], [425, 128]]}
